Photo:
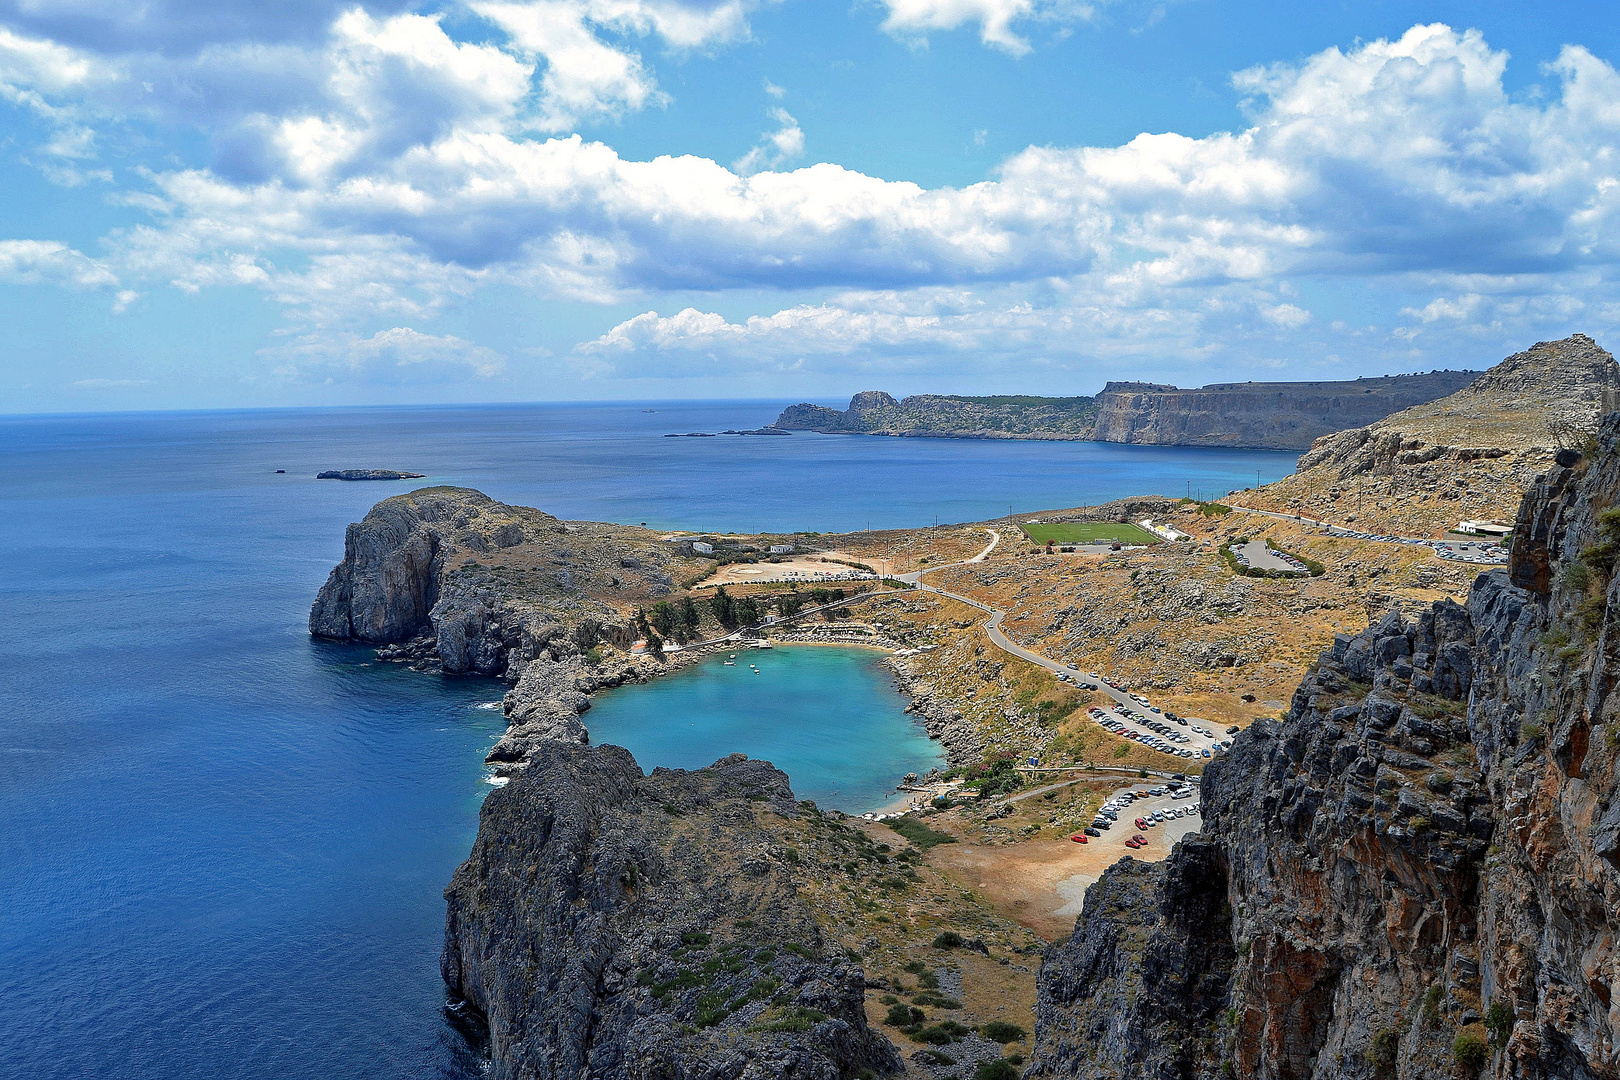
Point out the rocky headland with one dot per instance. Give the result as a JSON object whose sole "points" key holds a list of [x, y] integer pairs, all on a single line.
{"points": [[1471, 454], [1279, 416], [609, 924], [1415, 873], [449, 579]]}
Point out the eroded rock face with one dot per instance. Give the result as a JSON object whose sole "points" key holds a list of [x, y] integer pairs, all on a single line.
{"points": [[1282, 416], [1431, 832], [448, 579], [612, 925]]}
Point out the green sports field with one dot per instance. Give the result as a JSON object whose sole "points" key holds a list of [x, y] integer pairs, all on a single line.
{"points": [[1088, 532]]}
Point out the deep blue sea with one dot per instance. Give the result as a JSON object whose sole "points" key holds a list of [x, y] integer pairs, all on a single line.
{"points": [[223, 845]]}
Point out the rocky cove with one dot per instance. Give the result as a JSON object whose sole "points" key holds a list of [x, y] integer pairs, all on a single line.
{"points": [[450, 580], [1413, 873]]}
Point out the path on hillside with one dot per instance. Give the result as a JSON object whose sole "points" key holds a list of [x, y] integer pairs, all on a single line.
{"points": [[1000, 640], [1379, 538]]}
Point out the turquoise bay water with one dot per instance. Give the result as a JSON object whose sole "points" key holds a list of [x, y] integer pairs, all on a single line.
{"points": [[223, 845], [829, 717]]}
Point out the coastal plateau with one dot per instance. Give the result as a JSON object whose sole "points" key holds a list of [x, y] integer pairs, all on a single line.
{"points": [[1278, 416]]}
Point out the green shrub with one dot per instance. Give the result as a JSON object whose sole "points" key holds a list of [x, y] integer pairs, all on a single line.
{"points": [[948, 939], [1530, 731], [1381, 1054], [1431, 1004], [999, 1069], [796, 1019], [920, 834], [695, 938], [1499, 1021], [1471, 1047], [999, 1031], [903, 1016], [946, 1031], [935, 1000]]}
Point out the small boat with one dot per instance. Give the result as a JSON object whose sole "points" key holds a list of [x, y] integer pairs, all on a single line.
{"points": [[731, 663]]}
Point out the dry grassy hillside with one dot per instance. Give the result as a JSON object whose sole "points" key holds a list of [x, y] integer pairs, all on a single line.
{"points": [[1469, 455]]}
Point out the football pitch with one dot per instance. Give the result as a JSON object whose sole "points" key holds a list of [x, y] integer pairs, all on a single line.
{"points": [[1088, 532]]}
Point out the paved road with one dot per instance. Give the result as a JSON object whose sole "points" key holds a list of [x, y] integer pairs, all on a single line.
{"points": [[1120, 698], [1456, 551]]}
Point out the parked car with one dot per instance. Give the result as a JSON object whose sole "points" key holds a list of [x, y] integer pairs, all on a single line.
{"points": [[1092, 832]]}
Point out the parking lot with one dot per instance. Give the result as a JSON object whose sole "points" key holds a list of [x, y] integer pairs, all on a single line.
{"points": [[1135, 717], [1256, 554]]}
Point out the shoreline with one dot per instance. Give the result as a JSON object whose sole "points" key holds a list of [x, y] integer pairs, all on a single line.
{"points": [[499, 773]]}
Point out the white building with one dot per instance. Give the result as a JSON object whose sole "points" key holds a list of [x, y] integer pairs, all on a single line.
{"points": [[781, 549], [1484, 528], [701, 548]]}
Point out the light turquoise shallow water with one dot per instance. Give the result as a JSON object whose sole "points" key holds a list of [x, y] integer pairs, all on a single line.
{"points": [[829, 717]]}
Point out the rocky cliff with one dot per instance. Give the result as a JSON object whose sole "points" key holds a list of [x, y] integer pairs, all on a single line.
{"points": [[1468, 455], [1275, 415], [449, 579], [610, 925], [1430, 839]]}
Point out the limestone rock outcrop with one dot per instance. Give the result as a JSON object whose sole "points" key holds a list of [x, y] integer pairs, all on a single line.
{"points": [[609, 925], [449, 579], [1276, 416], [1285, 416], [1428, 840]]}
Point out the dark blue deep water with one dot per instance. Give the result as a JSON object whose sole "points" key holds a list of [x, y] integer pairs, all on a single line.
{"points": [[222, 845]]}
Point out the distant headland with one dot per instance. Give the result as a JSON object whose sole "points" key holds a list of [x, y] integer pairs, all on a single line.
{"points": [[1272, 416]]}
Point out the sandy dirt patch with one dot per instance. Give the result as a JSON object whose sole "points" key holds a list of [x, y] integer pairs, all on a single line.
{"points": [[807, 569], [1041, 883]]}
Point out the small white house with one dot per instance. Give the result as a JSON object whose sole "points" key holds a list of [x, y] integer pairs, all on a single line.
{"points": [[781, 549], [1484, 528], [701, 548]]}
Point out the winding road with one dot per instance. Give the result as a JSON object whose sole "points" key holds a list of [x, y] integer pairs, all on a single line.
{"points": [[992, 628]]}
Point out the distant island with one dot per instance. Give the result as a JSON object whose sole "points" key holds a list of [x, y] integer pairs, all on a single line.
{"points": [[1272, 416], [368, 474]]}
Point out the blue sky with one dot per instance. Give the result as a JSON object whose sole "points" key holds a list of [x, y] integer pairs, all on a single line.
{"points": [[214, 203]]}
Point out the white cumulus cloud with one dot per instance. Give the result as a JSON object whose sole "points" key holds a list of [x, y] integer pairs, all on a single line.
{"points": [[995, 18], [394, 357]]}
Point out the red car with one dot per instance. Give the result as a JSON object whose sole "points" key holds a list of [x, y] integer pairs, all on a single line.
{"points": [[1080, 838]]}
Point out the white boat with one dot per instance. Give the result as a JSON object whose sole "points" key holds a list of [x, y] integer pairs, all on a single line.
{"points": [[731, 663]]}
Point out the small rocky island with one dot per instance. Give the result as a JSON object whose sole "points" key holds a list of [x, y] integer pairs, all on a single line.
{"points": [[368, 474]]}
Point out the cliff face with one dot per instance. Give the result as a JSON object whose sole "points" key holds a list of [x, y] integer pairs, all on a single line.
{"points": [[1277, 416], [1468, 455], [1431, 837], [608, 924], [1284, 416], [452, 580]]}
